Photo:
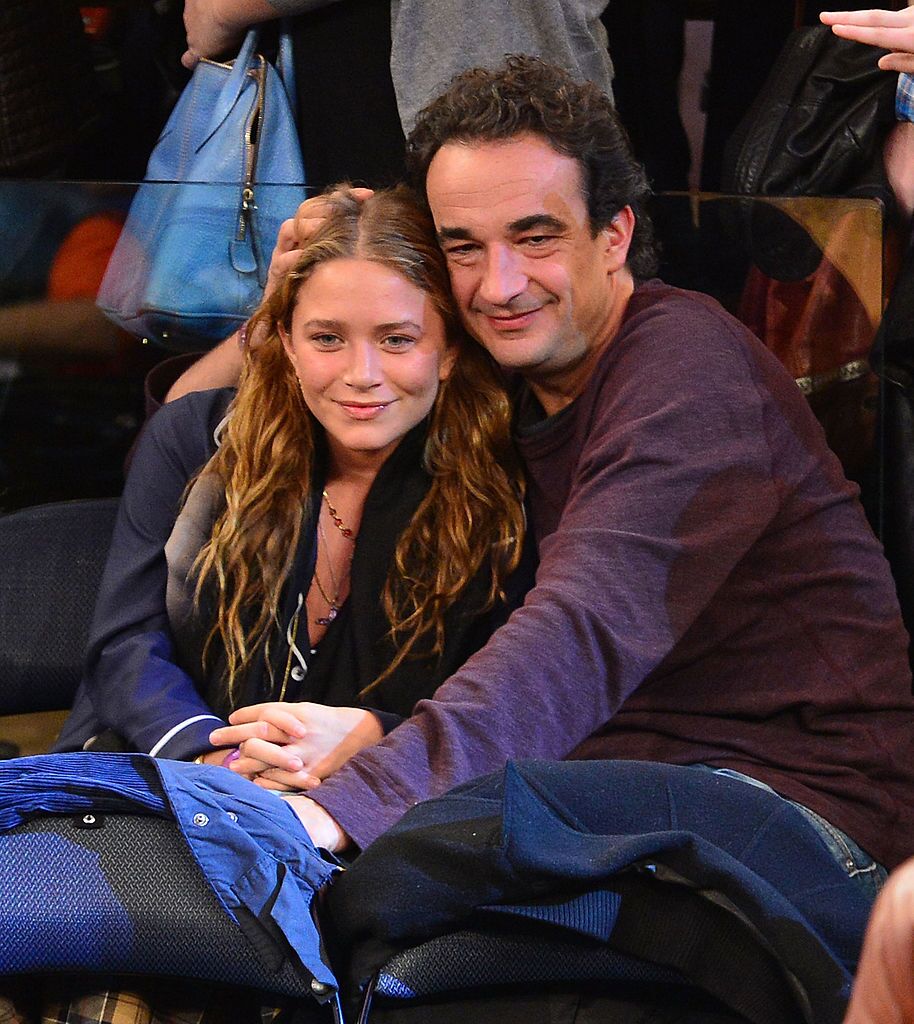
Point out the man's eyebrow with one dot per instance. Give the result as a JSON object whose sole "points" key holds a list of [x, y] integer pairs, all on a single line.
{"points": [[537, 220], [454, 234], [517, 227]]}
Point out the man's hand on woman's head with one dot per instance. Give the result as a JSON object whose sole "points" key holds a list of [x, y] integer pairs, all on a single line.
{"points": [[889, 30], [294, 233], [312, 213]]}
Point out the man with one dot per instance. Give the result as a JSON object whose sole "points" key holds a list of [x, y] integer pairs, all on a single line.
{"points": [[709, 592]]}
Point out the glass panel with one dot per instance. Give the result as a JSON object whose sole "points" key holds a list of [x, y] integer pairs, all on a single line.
{"points": [[805, 274]]}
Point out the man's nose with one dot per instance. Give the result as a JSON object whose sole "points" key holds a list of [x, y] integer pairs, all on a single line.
{"points": [[363, 368], [502, 278]]}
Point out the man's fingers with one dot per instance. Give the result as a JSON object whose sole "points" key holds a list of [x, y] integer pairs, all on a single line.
{"points": [[189, 59], [249, 767], [312, 213], [278, 787], [272, 754], [276, 778]]}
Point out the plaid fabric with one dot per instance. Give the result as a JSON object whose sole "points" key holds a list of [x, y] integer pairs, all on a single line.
{"points": [[60, 1001], [904, 98]]}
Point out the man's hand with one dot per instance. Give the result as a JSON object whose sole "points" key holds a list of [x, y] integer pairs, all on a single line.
{"points": [[890, 30], [312, 213], [215, 27], [323, 830], [221, 366], [290, 746]]}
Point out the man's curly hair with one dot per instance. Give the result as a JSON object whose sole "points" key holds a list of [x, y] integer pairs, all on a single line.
{"points": [[525, 95]]}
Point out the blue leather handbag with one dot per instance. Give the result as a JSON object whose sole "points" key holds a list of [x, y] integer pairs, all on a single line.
{"points": [[192, 260]]}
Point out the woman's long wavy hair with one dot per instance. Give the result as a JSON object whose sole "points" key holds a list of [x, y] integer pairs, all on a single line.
{"points": [[472, 514]]}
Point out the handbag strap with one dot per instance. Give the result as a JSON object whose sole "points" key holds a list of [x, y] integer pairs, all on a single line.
{"points": [[285, 65], [230, 92]]}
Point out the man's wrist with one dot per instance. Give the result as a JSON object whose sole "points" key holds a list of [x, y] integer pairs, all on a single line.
{"points": [[320, 826]]}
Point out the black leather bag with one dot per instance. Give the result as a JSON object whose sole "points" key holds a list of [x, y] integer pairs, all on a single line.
{"points": [[816, 128]]}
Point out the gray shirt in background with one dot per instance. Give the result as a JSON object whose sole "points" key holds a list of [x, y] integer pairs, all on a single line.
{"points": [[431, 41]]}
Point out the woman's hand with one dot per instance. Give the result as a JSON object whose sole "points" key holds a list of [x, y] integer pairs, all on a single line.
{"points": [[216, 757], [293, 746], [323, 830], [890, 30]]}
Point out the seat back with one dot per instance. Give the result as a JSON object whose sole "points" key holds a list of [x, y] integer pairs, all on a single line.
{"points": [[52, 557]]}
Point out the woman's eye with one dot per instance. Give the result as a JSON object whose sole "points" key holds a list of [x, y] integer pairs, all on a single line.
{"points": [[325, 340], [399, 341]]}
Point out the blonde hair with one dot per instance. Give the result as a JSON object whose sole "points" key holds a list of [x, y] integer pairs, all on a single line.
{"points": [[472, 515]]}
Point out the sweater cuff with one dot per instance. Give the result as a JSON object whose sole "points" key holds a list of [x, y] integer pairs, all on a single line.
{"points": [[389, 720], [347, 802], [187, 739], [161, 377]]}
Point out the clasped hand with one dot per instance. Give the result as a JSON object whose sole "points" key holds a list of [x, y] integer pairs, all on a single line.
{"points": [[293, 746]]}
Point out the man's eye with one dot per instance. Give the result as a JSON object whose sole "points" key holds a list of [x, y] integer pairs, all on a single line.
{"points": [[461, 250], [537, 240]]}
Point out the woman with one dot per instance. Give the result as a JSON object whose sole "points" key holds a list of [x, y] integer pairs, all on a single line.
{"points": [[352, 538]]}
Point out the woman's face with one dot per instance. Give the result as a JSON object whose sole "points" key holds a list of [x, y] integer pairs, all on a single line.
{"points": [[369, 349]]}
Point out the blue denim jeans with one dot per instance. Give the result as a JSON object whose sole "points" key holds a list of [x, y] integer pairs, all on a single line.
{"points": [[858, 864]]}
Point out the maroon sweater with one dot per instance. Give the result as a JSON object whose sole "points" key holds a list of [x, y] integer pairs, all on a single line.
{"points": [[709, 591]]}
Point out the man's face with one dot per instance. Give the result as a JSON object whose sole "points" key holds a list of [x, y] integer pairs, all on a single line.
{"points": [[532, 284]]}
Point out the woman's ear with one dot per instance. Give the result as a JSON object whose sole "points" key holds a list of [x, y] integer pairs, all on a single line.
{"points": [[286, 339], [617, 239]]}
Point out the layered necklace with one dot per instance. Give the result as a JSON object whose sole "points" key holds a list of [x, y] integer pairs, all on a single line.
{"points": [[333, 603]]}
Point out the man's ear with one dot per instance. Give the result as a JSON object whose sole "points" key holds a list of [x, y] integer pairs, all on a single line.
{"points": [[617, 239]]}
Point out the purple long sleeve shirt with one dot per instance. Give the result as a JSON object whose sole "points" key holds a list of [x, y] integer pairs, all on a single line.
{"points": [[708, 591]]}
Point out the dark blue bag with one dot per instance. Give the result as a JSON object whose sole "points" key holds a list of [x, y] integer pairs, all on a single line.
{"points": [[192, 261]]}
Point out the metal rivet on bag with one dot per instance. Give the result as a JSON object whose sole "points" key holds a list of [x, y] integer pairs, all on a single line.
{"points": [[297, 673], [232, 816], [319, 988], [201, 820], [89, 820]]}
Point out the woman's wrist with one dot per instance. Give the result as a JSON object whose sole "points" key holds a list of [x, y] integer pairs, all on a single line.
{"points": [[223, 756]]}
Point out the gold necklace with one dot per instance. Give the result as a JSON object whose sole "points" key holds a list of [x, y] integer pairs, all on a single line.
{"points": [[337, 520], [332, 602]]}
